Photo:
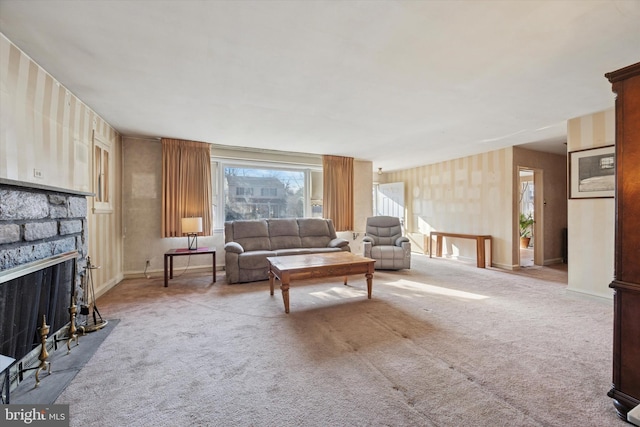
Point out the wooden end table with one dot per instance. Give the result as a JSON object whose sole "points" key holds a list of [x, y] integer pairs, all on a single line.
{"points": [[168, 259], [317, 265]]}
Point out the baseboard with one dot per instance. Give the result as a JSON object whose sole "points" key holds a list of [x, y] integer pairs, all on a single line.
{"points": [[108, 285], [633, 416], [592, 294], [552, 261], [505, 266], [139, 274]]}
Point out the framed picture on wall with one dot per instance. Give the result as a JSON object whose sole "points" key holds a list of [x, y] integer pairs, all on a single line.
{"points": [[592, 173]]}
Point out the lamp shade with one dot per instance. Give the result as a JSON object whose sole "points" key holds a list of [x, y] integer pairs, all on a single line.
{"points": [[192, 225]]}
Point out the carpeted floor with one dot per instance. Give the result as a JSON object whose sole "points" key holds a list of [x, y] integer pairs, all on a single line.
{"points": [[442, 344]]}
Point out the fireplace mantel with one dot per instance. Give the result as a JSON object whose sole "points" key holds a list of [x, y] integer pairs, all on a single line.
{"points": [[36, 186]]}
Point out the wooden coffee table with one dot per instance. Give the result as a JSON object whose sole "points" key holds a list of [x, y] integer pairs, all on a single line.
{"points": [[309, 266]]}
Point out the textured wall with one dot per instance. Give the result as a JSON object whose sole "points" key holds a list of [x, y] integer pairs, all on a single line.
{"points": [[591, 221], [362, 193], [45, 127], [142, 213], [471, 195]]}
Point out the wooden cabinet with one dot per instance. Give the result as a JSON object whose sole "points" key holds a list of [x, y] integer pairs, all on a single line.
{"points": [[625, 389]]}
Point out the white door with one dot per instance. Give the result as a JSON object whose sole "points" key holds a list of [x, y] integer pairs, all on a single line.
{"points": [[390, 200]]}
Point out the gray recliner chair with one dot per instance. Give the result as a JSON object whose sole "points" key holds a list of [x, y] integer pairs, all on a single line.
{"points": [[383, 241]]}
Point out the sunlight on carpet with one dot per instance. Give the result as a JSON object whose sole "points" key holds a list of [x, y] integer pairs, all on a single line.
{"points": [[436, 290]]}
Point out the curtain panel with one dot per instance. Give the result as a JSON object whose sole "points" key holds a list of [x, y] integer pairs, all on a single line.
{"points": [[337, 191], [186, 185]]}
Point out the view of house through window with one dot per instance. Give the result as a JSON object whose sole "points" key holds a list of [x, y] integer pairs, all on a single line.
{"points": [[256, 192]]}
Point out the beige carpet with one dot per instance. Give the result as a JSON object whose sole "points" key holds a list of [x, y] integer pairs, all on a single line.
{"points": [[443, 344]]}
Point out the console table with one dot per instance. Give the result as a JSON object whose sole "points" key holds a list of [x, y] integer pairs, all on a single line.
{"points": [[480, 239], [168, 260]]}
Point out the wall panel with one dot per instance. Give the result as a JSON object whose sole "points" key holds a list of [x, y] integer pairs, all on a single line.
{"points": [[591, 222], [467, 195], [44, 127]]}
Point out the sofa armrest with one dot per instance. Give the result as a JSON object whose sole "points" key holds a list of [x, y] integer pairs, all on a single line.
{"points": [[401, 240], [368, 239], [234, 247], [338, 243]]}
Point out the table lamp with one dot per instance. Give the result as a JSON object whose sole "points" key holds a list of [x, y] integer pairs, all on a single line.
{"points": [[191, 227]]}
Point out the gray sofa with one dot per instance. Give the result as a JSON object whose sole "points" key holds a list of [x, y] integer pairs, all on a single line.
{"points": [[248, 243]]}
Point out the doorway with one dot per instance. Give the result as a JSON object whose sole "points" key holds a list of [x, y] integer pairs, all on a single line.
{"points": [[530, 217]]}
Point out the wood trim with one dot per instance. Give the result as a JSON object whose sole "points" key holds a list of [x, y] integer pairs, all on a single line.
{"points": [[623, 73]]}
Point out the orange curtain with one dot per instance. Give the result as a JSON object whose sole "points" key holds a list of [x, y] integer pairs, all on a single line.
{"points": [[186, 185], [337, 193]]}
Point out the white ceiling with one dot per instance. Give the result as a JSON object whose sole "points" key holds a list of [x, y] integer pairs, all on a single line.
{"points": [[400, 83]]}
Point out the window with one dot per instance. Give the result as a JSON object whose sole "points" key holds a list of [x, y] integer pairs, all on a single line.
{"points": [[606, 163], [102, 177], [244, 191], [249, 196], [268, 192], [256, 190]]}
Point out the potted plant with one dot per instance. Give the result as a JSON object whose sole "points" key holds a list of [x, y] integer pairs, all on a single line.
{"points": [[526, 222]]}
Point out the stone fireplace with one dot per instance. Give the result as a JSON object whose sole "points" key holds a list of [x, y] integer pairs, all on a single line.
{"points": [[43, 251]]}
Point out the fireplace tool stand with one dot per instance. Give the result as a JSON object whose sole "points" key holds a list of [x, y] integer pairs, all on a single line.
{"points": [[90, 305]]}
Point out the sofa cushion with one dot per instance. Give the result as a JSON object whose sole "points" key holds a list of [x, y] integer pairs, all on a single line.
{"points": [[324, 250], [292, 251], [252, 235], [389, 257], [254, 259], [315, 232], [284, 234], [302, 251]]}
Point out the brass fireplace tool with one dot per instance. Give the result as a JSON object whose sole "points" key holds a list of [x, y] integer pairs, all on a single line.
{"points": [[72, 333], [44, 354], [73, 311]]}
